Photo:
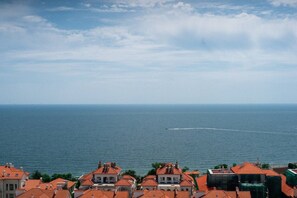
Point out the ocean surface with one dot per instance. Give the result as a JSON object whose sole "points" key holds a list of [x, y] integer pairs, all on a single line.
{"points": [[73, 138]]}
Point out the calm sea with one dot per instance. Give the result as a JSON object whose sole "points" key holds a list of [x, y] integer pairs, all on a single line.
{"points": [[73, 138]]}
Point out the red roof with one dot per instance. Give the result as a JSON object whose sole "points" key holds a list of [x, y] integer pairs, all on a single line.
{"points": [[202, 183], [124, 182], [247, 168], [122, 194], [108, 168], [149, 182], [286, 189], [169, 168], [92, 193], [186, 183], [87, 182], [9, 172], [37, 192], [227, 194], [157, 194], [270, 172]]}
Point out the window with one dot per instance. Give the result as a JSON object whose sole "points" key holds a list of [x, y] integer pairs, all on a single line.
{"points": [[10, 187], [11, 195], [15, 186], [7, 187]]}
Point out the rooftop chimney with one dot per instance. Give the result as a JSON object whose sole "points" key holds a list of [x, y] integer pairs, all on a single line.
{"points": [[99, 164]]}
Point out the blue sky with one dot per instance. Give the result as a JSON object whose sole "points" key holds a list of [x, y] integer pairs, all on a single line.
{"points": [[148, 51]]}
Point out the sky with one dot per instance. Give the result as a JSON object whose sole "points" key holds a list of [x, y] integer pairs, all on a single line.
{"points": [[148, 51]]}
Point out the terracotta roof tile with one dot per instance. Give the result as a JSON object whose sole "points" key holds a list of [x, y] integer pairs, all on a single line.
{"points": [[247, 168], [227, 194], [124, 182], [122, 194], [93, 193], [186, 183], [149, 183], [87, 182], [286, 189], [37, 192], [107, 168], [202, 183], [157, 194], [270, 172], [8, 172], [169, 168]]}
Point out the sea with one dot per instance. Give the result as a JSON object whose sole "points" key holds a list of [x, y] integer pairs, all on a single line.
{"points": [[74, 138]]}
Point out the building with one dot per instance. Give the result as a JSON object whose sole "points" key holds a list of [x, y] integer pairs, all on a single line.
{"points": [[247, 177], [11, 179], [169, 177], [104, 177], [57, 184]]}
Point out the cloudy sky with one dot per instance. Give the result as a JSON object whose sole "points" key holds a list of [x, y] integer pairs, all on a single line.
{"points": [[148, 51]]}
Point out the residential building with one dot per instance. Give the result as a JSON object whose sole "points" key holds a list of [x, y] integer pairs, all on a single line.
{"points": [[248, 177], [11, 179], [104, 177], [57, 184], [169, 177]]}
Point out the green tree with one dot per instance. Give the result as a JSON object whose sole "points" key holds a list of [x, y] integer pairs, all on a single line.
{"points": [[220, 166], [46, 178], [265, 166], [292, 166], [185, 169], [133, 174], [36, 175], [155, 166]]}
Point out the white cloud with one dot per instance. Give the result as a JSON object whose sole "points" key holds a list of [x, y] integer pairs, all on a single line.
{"points": [[292, 3], [61, 8]]}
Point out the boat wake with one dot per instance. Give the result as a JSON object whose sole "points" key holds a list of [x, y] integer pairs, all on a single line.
{"points": [[228, 130]]}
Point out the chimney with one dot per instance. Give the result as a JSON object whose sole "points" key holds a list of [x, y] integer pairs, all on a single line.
{"points": [[176, 165], [99, 164], [40, 180]]}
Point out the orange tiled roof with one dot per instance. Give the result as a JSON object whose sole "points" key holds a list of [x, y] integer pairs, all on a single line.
{"points": [[182, 194], [62, 194], [31, 183], [157, 194], [107, 168], [286, 189], [247, 168], [128, 177], [93, 193], [55, 182], [124, 182], [122, 194], [270, 172], [87, 182], [166, 170], [37, 192], [192, 172], [36, 183], [149, 182], [227, 194], [8, 172], [186, 183], [150, 177], [202, 183]]}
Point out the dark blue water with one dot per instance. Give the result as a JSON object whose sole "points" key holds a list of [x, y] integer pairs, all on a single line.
{"points": [[66, 138]]}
